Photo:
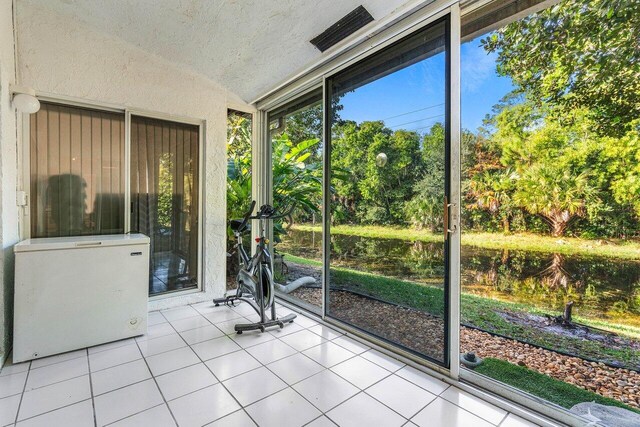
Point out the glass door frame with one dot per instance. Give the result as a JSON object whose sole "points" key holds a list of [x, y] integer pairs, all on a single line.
{"points": [[451, 17], [426, 17], [201, 190]]}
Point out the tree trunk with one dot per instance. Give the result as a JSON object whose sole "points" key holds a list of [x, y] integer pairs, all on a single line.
{"points": [[567, 312], [506, 224], [559, 223], [555, 275]]}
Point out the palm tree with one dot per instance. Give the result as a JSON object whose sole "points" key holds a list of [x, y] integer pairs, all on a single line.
{"points": [[492, 190], [555, 194]]}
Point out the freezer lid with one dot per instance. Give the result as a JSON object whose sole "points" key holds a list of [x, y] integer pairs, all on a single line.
{"points": [[80, 242]]}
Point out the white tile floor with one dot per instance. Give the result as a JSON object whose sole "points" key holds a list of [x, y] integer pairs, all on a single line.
{"points": [[191, 369]]}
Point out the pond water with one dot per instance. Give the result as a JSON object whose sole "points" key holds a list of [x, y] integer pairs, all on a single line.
{"points": [[599, 287]]}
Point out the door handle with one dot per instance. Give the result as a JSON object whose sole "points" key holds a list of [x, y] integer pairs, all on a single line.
{"points": [[448, 230]]}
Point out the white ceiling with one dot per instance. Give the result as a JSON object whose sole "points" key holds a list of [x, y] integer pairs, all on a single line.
{"points": [[247, 46]]}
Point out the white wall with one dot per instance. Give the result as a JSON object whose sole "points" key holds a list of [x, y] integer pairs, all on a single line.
{"points": [[8, 210], [59, 56]]}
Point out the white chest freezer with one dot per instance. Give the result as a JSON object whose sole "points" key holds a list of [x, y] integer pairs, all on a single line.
{"points": [[76, 292]]}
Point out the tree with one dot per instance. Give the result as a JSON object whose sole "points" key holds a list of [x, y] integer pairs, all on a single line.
{"points": [[555, 194], [621, 159], [368, 192], [305, 124], [549, 166], [238, 135], [424, 210], [296, 181], [577, 54], [492, 191], [297, 178], [238, 165]]}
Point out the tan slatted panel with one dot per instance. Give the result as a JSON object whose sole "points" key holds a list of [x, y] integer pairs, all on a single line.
{"points": [[69, 148]]}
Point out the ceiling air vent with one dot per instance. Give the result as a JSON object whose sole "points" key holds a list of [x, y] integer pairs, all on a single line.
{"points": [[352, 22]]}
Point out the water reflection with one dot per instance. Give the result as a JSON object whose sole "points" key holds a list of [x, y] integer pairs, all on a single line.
{"points": [[598, 286]]}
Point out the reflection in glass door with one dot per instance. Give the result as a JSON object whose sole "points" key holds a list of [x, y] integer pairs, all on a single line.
{"points": [[165, 199], [388, 145]]}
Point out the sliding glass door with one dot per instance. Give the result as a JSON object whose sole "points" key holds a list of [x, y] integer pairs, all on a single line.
{"points": [[165, 180], [386, 198]]}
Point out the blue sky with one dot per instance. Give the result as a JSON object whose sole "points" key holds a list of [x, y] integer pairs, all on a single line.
{"points": [[413, 98]]}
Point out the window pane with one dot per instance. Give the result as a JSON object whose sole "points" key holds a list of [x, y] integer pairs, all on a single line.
{"points": [[388, 252], [77, 171], [296, 138]]}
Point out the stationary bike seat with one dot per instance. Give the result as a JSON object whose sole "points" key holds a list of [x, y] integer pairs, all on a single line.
{"points": [[236, 223]]}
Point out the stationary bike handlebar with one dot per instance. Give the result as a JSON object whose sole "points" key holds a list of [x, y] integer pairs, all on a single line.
{"points": [[265, 212], [247, 216]]}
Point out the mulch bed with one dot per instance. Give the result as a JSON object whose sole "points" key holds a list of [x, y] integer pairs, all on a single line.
{"points": [[413, 329], [423, 332], [616, 383]]}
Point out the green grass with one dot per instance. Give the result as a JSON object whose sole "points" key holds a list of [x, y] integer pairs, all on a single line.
{"points": [[541, 385], [476, 311], [613, 248], [421, 297]]}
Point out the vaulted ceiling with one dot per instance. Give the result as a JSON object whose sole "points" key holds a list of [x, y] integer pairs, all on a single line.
{"points": [[247, 46]]}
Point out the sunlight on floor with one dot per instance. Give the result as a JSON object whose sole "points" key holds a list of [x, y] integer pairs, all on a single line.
{"points": [[191, 369]]}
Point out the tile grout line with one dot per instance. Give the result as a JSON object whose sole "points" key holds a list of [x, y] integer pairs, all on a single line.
{"points": [[290, 386], [229, 414], [316, 419], [57, 363], [54, 383], [134, 414], [242, 408], [164, 401], [114, 366], [412, 416], [225, 388], [93, 403], [503, 419], [155, 381], [124, 386], [124, 343], [261, 365], [342, 403], [52, 410], [24, 387], [46, 412], [363, 390], [439, 395], [391, 373]]}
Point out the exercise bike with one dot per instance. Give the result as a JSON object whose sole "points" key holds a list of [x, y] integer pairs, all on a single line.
{"points": [[255, 279]]}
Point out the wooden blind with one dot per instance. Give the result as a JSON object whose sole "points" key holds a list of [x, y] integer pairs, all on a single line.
{"points": [[77, 171]]}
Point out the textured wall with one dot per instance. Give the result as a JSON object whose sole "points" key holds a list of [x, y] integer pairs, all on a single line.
{"points": [[246, 45], [8, 210], [61, 56]]}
